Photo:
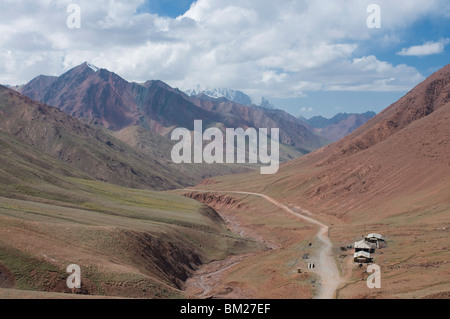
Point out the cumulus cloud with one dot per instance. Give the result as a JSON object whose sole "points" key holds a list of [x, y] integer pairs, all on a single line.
{"points": [[428, 48], [262, 47]]}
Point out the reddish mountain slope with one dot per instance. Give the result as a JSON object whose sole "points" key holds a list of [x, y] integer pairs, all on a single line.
{"points": [[87, 149], [391, 176], [36, 88], [343, 125], [102, 97], [292, 130], [402, 151], [98, 97]]}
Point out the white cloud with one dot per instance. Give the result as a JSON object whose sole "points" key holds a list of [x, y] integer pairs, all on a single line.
{"points": [[378, 76], [306, 109], [428, 48], [262, 47]]}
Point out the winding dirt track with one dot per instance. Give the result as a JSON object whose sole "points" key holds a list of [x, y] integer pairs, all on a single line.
{"points": [[326, 265]]}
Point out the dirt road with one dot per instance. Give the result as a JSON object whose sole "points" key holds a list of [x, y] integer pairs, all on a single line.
{"points": [[326, 265]]}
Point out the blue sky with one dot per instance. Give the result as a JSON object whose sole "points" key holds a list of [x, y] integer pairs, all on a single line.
{"points": [[429, 28], [328, 103], [306, 57], [165, 8]]}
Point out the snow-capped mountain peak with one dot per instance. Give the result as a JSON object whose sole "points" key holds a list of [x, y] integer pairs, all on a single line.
{"points": [[232, 95], [93, 67]]}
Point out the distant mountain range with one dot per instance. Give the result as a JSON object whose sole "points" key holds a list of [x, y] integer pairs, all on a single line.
{"points": [[338, 126], [322, 122], [229, 94], [332, 129], [143, 115], [98, 96], [129, 146]]}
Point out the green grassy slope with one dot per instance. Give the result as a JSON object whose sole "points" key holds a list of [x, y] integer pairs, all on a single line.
{"points": [[131, 243]]}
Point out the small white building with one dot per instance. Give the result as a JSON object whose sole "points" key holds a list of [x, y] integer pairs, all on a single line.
{"points": [[374, 238], [364, 246], [362, 257]]}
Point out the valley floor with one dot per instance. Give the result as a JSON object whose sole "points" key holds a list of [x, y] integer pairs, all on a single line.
{"points": [[325, 266], [133, 243], [290, 235]]}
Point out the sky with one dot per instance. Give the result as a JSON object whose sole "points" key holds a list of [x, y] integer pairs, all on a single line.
{"points": [[308, 57]]}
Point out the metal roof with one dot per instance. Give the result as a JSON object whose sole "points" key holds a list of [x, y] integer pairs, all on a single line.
{"points": [[375, 235], [361, 254], [363, 245]]}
